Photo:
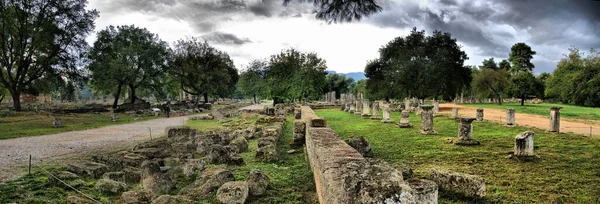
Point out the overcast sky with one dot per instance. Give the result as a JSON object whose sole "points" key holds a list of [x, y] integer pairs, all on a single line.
{"points": [[255, 29]]}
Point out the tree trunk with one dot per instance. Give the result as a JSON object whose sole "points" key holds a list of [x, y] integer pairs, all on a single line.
{"points": [[16, 100], [132, 96], [523, 101], [499, 100], [205, 97], [254, 98], [2, 98], [117, 95], [197, 102]]}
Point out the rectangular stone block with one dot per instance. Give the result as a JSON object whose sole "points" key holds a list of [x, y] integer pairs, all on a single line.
{"points": [[464, 184], [299, 126]]}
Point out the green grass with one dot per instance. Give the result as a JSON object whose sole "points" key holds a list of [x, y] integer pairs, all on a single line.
{"points": [[32, 125], [33, 189], [567, 170], [543, 109]]}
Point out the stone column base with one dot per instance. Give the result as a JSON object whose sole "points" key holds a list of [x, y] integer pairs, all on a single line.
{"points": [[467, 142], [375, 118], [430, 132], [357, 113], [388, 121], [404, 125], [366, 115]]}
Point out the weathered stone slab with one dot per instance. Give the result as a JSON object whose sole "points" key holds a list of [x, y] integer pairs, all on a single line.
{"points": [[86, 168], [426, 191], [233, 192], [464, 184]]}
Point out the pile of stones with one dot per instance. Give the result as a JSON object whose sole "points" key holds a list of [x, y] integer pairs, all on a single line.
{"points": [[178, 163]]}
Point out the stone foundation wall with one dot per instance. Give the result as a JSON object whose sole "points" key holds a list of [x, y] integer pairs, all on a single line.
{"points": [[342, 175]]}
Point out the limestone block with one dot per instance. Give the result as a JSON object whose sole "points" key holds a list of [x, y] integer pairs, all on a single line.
{"points": [[464, 184]]}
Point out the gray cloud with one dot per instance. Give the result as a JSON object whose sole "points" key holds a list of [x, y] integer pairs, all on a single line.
{"points": [[207, 15], [225, 38], [493, 26]]}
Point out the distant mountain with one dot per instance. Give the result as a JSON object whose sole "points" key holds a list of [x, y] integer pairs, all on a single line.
{"points": [[354, 75]]}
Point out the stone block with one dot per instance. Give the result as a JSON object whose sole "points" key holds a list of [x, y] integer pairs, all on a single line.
{"points": [[464, 184], [86, 168]]}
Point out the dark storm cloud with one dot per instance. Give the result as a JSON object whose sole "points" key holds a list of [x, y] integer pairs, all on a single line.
{"points": [[493, 26], [225, 38], [207, 15]]}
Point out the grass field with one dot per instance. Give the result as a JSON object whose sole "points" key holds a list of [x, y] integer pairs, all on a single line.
{"points": [[291, 179], [32, 125], [567, 170], [568, 111]]}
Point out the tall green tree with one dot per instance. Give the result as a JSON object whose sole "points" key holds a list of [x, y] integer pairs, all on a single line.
{"points": [[489, 83], [360, 86], [522, 85], [504, 65], [127, 57], [253, 80], [203, 70], [490, 64], [295, 75], [520, 56], [338, 83], [342, 10], [422, 66], [576, 79], [41, 38]]}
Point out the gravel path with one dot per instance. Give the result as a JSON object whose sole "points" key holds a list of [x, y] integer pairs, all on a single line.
{"points": [[522, 119], [50, 149]]}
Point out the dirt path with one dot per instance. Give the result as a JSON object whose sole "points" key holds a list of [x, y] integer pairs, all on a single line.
{"points": [[521, 119], [14, 153]]}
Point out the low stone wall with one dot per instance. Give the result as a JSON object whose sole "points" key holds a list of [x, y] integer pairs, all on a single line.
{"points": [[342, 175]]}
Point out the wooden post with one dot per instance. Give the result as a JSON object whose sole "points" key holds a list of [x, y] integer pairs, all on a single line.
{"points": [[30, 164]]}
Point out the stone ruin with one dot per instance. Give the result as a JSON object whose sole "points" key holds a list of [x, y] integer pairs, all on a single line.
{"points": [[343, 175], [57, 122], [555, 119], [463, 184], [404, 120], [510, 117], [375, 115], [366, 109], [524, 144], [427, 121], [465, 132], [386, 114], [479, 116], [160, 166], [454, 115]]}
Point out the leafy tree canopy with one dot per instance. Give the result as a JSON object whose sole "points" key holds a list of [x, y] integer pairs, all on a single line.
{"points": [[127, 56], [576, 79], [342, 10], [338, 83], [520, 56], [202, 69], [295, 75], [489, 83], [41, 39], [420, 66]]}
